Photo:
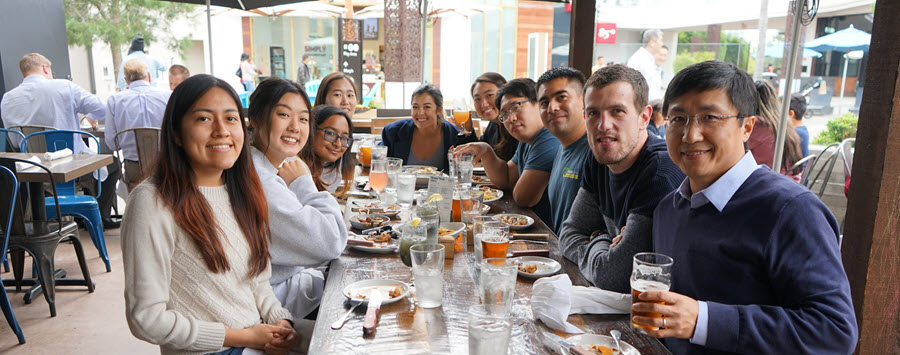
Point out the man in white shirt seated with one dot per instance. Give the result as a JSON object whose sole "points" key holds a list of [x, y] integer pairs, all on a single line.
{"points": [[140, 105], [644, 61]]}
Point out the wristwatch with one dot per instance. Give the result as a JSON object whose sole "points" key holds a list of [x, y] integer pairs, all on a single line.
{"points": [[596, 233]]}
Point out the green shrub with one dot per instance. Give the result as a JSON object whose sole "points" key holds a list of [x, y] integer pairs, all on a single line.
{"points": [[683, 60], [838, 129]]}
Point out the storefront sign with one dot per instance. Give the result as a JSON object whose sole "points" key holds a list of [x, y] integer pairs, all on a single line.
{"points": [[351, 52], [605, 33]]}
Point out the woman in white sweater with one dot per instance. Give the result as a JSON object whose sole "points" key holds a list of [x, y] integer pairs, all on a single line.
{"points": [[195, 235], [307, 226]]}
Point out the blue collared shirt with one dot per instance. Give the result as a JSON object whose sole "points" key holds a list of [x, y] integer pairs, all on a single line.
{"points": [[718, 194], [139, 106], [55, 103], [153, 66]]}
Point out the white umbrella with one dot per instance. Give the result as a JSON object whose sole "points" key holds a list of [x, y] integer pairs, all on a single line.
{"points": [[303, 9]]}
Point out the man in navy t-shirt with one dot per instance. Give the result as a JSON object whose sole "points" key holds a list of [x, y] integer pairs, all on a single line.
{"points": [[528, 172], [757, 264], [561, 102], [625, 177]]}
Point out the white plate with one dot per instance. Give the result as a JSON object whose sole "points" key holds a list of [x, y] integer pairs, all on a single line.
{"points": [[381, 248], [355, 223], [456, 227], [603, 340], [499, 196], [373, 204], [529, 220], [384, 286], [545, 266]]}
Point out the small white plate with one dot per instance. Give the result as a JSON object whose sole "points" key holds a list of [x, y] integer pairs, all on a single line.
{"points": [[603, 340], [371, 204], [545, 266], [498, 192], [529, 221], [379, 248], [364, 287]]}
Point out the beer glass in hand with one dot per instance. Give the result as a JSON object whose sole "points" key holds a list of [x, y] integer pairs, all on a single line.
{"points": [[650, 271], [461, 114]]}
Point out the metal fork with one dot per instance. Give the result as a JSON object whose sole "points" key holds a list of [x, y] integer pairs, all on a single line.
{"points": [[340, 322]]}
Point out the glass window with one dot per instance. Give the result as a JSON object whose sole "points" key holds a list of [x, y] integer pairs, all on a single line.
{"points": [[492, 41], [477, 51], [508, 44]]}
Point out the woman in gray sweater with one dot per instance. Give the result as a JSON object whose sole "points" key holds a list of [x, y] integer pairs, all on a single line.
{"points": [[195, 236], [307, 226]]}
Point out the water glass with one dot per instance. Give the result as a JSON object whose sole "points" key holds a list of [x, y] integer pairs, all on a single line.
{"points": [[393, 168], [431, 218], [497, 286], [379, 152], [428, 268], [451, 162], [650, 271], [488, 333], [406, 189], [464, 168], [442, 185]]}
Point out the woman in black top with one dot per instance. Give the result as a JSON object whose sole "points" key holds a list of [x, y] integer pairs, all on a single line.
{"points": [[483, 92]]}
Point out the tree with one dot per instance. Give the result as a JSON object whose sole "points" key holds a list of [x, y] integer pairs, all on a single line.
{"points": [[116, 22]]}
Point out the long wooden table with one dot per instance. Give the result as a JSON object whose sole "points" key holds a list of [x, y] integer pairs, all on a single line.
{"points": [[407, 329]]}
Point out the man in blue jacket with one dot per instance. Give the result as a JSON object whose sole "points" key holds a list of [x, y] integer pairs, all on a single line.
{"points": [[757, 264]]}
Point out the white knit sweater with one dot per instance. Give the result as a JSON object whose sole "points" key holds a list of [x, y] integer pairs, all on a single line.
{"points": [[172, 299]]}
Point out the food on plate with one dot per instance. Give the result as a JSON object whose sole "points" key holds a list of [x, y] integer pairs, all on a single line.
{"points": [[596, 349], [420, 170], [445, 231], [476, 178], [514, 220], [384, 237], [528, 268], [364, 292], [372, 220]]}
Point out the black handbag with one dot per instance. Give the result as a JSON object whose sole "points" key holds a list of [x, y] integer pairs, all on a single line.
{"points": [[239, 73]]}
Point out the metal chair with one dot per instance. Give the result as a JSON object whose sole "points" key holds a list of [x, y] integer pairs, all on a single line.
{"points": [[6, 145], [84, 206], [823, 164], [40, 239], [26, 130], [6, 174], [846, 149], [146, 141], [809, 160]]}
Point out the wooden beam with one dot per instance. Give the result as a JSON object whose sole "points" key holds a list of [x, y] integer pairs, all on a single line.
{"points": [[581, 35], [871, 249]]}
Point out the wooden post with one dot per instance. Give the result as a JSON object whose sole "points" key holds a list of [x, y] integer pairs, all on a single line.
{"points": [[871, 249], [581, 35]]}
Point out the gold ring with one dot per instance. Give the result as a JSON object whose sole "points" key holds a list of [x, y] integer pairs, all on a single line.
{"points": [[664, 323]]}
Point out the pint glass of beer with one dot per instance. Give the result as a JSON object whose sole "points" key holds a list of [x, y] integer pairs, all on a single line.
{"points": [[495, 240], [650, 271]]}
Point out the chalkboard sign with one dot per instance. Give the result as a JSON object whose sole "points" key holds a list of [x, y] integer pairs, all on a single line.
{"points": [[351, 53]]}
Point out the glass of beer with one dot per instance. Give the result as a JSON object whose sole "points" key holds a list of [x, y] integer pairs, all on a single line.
{"points": [[495, 240], [365, 151], [461, 113], [650, 271]]}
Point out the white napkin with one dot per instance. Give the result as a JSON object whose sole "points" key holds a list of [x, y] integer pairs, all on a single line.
{"points": [[23, 166], [554, 298], [62, 153]]}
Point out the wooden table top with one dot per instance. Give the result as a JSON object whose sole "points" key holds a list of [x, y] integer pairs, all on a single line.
{"points": [[407, 329], [63, 169]]}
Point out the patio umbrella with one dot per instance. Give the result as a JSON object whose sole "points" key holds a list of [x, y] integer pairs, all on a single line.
{"points": [[304, 9], [778, 52], [234, 4], [846, 40]]}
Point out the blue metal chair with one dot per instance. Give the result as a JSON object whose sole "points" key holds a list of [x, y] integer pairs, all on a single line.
{"points": [[84, 206], [4, 299], [5, 144]]}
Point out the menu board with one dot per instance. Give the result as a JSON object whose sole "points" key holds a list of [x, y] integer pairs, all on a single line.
{"points": [[351, 53]]}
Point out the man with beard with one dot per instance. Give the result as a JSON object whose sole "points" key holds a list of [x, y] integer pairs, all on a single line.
{"points": [[629, 174]]}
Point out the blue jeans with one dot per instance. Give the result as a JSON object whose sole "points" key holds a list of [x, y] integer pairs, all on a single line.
{"points": [[229, 351], [248, 85]]}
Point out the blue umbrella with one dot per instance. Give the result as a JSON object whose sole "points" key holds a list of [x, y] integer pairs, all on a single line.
{"points": [[778, 52], [846, 40]]}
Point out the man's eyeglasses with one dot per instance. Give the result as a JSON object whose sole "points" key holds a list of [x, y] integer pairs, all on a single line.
{"points": [[705, 120], [513, 110], [332, 136]]}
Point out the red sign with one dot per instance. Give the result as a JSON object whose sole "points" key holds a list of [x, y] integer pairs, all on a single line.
{"points": [[605, 33]]}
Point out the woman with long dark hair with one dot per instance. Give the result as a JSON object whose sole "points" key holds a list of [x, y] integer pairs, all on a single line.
{"points": [[484, 90], [425, 138], [762, 139], [195, 236], [328, 156], [307, 225], [338, 89]]}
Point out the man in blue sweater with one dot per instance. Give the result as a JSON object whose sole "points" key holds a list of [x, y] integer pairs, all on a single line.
{"points": [[757, 264], [623, 179]]}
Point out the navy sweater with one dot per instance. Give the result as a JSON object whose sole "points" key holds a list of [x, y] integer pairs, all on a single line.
{"points": [[768, 266], [397, 136]]}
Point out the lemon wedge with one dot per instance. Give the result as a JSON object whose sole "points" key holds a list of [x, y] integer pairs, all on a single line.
{"points": [[415, 222], [435, 198]]}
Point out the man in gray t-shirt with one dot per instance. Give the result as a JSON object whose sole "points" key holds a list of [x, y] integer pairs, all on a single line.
{"points": [[561, 103]]}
